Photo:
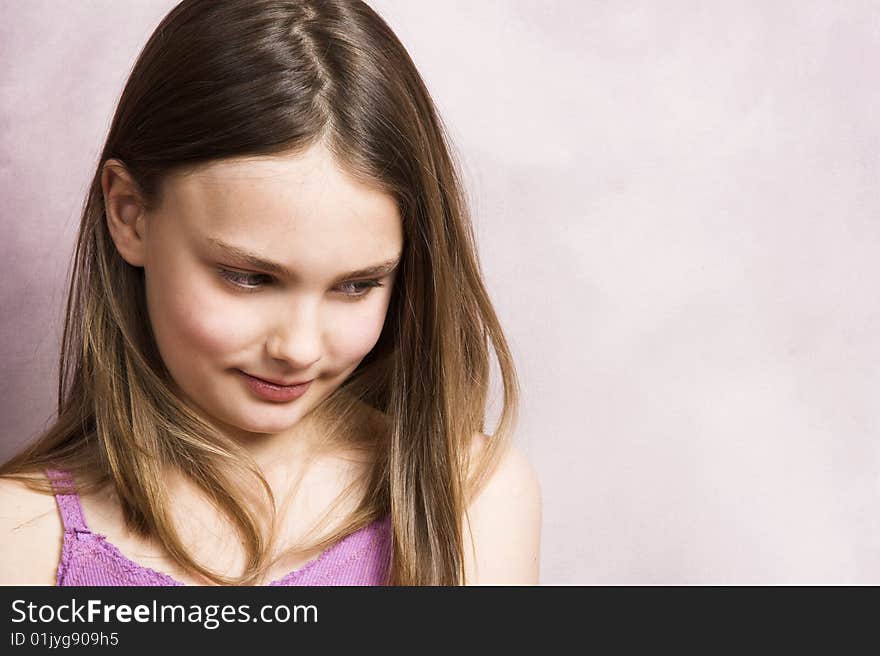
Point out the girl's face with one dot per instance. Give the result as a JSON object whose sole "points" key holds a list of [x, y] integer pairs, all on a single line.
{"points": [[251, 270]]}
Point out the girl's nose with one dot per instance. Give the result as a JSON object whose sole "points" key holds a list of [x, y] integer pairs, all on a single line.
{"points": [[296, 338]]}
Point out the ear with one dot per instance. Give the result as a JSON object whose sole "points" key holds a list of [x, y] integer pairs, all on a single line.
{"points": [[126, 212]]}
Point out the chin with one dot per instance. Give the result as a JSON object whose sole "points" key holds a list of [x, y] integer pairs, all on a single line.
{"points": [[265, 425]]}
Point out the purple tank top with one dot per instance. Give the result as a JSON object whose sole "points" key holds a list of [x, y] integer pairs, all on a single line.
{"points": [[87, 558]]}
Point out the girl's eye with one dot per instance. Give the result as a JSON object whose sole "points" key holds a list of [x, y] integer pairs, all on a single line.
{"points": [[355, 291], [244, 280], [253, 281]]}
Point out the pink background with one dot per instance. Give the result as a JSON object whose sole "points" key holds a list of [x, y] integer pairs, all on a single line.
{"points": [[677, 206]]}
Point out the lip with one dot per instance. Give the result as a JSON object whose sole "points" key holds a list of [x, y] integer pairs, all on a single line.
{"points": [[277, 383], [273, 391]]}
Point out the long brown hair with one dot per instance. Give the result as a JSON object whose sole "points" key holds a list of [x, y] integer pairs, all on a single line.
{"points": [[221, 79]]}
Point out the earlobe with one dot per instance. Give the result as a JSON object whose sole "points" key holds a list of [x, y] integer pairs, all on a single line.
{"points": [[125, 212]]}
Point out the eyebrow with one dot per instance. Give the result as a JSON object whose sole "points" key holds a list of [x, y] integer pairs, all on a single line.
{"points": [[251, 259]]}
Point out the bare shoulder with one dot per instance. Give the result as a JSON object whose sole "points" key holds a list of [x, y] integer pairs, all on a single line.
{"points": [[30, 535], [505, 523]]}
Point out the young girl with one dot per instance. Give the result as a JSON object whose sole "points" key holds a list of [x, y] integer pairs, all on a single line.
{"points": [[276, 355]]}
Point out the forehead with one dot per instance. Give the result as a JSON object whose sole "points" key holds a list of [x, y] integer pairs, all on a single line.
{"points": [[290, 199]]}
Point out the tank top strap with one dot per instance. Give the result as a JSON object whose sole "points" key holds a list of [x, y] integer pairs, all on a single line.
{"points": [[68, 501]]}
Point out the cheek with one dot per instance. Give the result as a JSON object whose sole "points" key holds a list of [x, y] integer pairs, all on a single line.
{"points": [[193, 320], [353, 335]]}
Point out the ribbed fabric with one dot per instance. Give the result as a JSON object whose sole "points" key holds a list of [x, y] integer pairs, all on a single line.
{"points": [[87, 558]]}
